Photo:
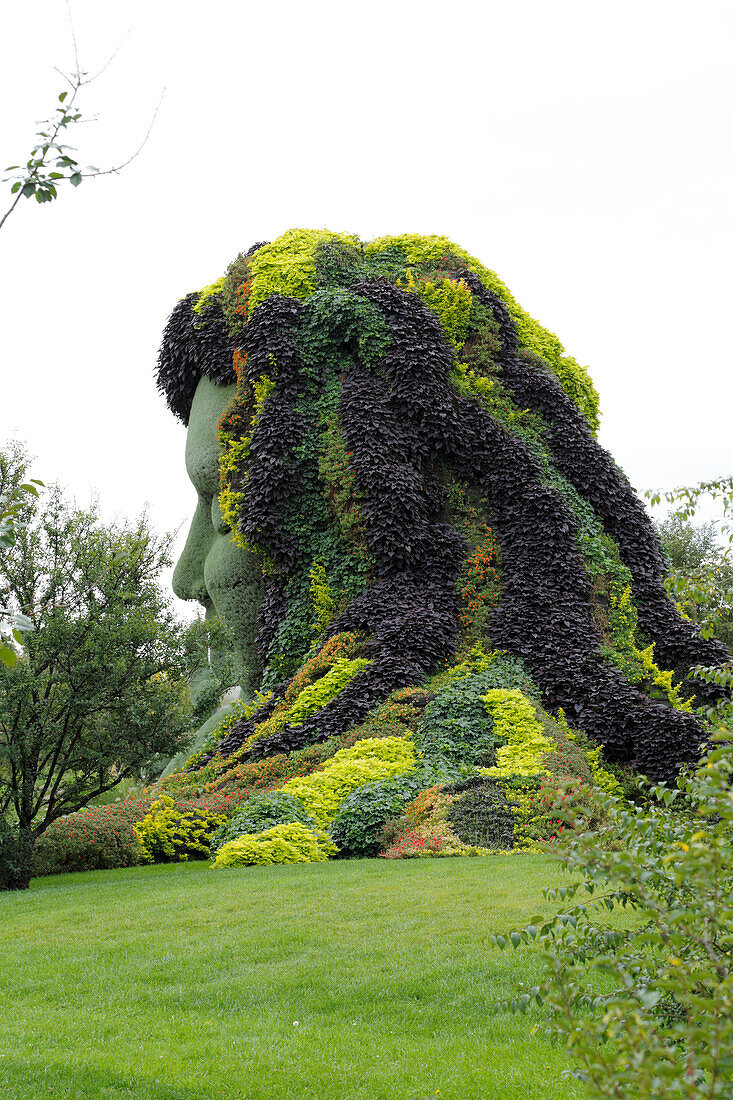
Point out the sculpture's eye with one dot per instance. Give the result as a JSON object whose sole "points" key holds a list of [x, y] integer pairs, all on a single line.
{"points": [[218, 522]]}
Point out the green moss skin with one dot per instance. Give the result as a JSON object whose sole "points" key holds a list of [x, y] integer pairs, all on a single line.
{"points": [[212, 569]]}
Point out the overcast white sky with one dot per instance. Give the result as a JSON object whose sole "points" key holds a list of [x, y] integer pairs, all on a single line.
{"points": [[580, 150]]}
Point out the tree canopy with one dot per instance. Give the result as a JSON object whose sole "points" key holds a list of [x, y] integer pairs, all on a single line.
{"points": [[100, 686]]}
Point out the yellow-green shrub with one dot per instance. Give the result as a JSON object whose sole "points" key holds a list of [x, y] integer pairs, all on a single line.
{"points": [[323, 792], [637, 664], [449, 299], [291, 843], [516, 723], [314, 696], [286, 265], [208, 295], [167, 833]]}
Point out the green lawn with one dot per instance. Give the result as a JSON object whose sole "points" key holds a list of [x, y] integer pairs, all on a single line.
{"points": [[362, 980]]}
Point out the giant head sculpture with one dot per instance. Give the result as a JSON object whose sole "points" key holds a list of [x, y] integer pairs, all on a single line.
{"points": [[390, 453]]}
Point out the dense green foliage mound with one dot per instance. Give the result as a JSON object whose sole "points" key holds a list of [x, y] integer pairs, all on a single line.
{"points": [[434, 547]]}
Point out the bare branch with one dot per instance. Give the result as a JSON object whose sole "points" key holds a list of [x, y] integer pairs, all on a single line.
{"points": [[119, 167]]}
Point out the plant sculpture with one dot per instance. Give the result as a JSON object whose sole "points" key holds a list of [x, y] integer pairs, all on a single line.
{"points": [[401, 495]]}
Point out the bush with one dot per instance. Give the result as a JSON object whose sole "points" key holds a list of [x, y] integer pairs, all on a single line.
{"points": [[168, 832], [524, 741], [664, 1025], [483, 815], [260, 812], [424, 829], [93, 839], [291, 843], [357, 827], [323, 792], [456, 729]]}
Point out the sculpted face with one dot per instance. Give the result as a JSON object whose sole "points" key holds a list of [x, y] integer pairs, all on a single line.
{"points": [[212, 569]]}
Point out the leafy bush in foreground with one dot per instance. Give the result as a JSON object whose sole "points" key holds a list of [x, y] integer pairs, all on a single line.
{"points": [[665, 1028], [291, 843], [94, 839], [357, 828], [261, 811], [168, 832]]}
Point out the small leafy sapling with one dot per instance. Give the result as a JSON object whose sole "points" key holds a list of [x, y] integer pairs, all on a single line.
{"points": [[52, 162], [639, 961]]}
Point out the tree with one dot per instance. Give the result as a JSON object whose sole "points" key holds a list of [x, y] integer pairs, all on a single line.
{"points": [[100, 687], [14, 493], [700, 579], [713, 597]]}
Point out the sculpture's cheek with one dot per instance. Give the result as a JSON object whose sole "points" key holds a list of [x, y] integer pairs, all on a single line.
{"points": [[233, 581]]}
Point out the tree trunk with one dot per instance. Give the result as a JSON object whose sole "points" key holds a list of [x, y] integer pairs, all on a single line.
{"points": [[16, 855]]}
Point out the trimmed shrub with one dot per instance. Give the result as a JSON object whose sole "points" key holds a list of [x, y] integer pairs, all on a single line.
{"points": [[525, 741], [261, 812], [483, 815], [424, 830], [456, 729], [168, 833], [323, 792], [94, 839], [357, 827], [292, 843]]}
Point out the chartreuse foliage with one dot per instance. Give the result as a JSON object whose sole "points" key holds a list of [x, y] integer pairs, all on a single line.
{"points": [[166, 833], [291, 843], [287, 266], [430, 252], [323, 792], [260, 812], [316, 695], [515, 724], [449, 299], [310, 804], [207, 296]]}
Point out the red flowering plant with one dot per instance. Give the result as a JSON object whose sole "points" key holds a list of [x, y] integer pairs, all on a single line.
{"points": [[96, 838]]}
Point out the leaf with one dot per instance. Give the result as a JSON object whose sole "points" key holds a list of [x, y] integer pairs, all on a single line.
{"points": [[15, 188], [75, 179], [22, 622], [8, 656], [29, 189]]}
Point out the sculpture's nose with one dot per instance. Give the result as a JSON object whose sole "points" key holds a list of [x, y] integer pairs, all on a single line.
{"points": [[188, 575]]}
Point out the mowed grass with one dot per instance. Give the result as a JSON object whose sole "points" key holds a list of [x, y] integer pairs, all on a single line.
{"points": [[362, 980]]}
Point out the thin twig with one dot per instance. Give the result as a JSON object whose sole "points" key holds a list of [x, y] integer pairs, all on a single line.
{"points": [[119, 167]]}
